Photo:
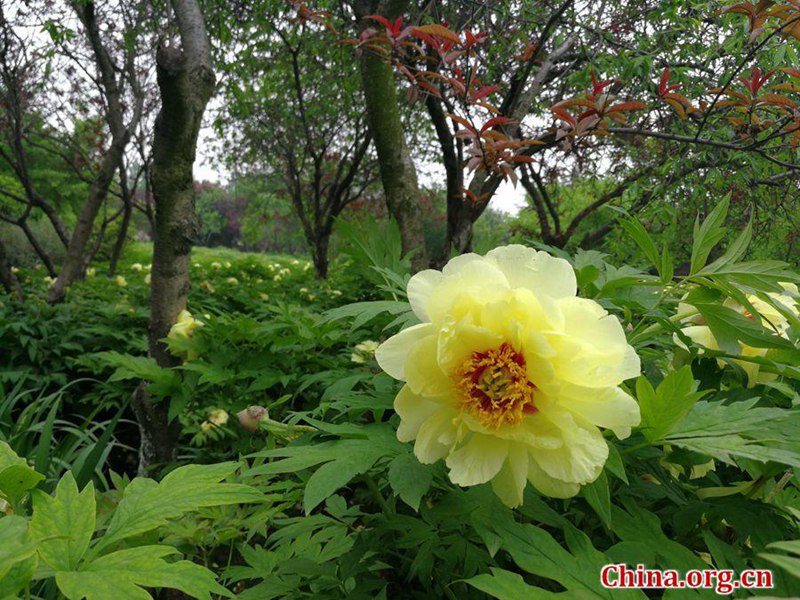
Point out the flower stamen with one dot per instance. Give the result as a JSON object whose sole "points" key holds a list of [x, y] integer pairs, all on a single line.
{"points": [[495, 387]]}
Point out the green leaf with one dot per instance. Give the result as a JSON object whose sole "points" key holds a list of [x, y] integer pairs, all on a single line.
{"points": [[335, 474], [740, 430], [409, 479], [16, 477], [639, 235], [15, 548], [506, 585], [707, 235], [122, 575], [731, 327], [791, 564], [147, 505], [736, 250], [64, 523], [599, 498], [665, 407]]}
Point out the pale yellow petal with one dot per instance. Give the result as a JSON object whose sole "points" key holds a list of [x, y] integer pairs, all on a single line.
{"points": [[607, 407], [413, 410], [420, 287], [537, 271], [392, 354], [509, 483], [582, 456], [436, 436], [423, 374], [478, 460], [550, 486], [459, 340]]}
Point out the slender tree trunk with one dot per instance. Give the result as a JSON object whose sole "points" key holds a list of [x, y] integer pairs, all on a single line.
{"points": [[37, 247], [122, 235], [398, 173], [72, 267], [319, 253], [186, 83], [7, 278]]}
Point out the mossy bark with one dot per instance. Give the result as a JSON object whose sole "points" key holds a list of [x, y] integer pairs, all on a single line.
{"points": [[186, 83], [397, 170]]}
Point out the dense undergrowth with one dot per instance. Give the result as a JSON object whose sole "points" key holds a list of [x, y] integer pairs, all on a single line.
{"points": [[317, 498]]}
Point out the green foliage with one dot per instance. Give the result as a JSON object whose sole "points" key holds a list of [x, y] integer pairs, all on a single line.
{"points": [[62, 534]]}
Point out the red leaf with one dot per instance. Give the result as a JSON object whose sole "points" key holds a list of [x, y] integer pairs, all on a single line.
{"points": [[495, 121], [437, 30]]}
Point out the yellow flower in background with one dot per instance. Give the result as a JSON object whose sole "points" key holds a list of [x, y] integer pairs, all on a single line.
{"points": [[184, 326], [205, 427], [509, 375], [233, 281], [48, 280], [772, 319], [121, 281], [277, 277], [216, 265], [263, 296], [367, 346], [228, 264], [137, 266], [147, 279], [218, 417], [15, 270], [91, 272]]}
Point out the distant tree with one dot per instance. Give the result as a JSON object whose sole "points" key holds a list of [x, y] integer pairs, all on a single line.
{"points": [[294, 104]]}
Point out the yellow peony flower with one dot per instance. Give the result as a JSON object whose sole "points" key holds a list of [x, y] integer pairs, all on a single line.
{"points": [[91, 272], [367, 346], [15, 270], [509, 375], [216, 265], [137, 266], [218, 417], [121, 281], [771, 318], [147, 279], [233, 281], [184, 326]]}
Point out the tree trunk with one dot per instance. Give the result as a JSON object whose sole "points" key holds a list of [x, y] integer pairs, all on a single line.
{"points": [[186, 83], [72, 268], [122, 234], [319, 254], [398, 173], [73, 265], [7, 278]]}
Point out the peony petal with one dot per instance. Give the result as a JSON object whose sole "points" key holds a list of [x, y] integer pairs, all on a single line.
{"points": [[459, 340], [392, 354], [581, 458], [478, 460], [436, 436], [549, 486], [420, 287], [592, 350], [413, 410], [474, 284], [545, 275], [607, 407], [699, 334], [423, 374], [509, 483]]}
